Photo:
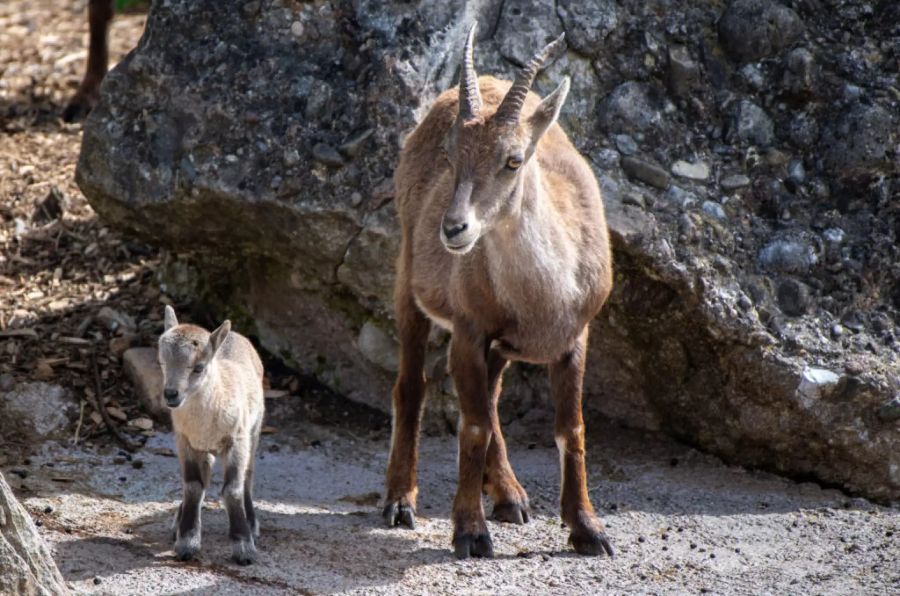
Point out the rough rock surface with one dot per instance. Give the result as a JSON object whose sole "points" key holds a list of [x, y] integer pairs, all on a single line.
{"points": [[26, 565], [35, 411], [240, 141]]}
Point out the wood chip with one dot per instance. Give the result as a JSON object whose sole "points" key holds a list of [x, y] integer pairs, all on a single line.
{"points": [[276, 393], [74, 341], [268, 430], [116, 413], [142, 423], [23, 332]]}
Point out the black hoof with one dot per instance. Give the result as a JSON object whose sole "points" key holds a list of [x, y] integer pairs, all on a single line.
{"points": [[76, 112], [396, 514], [186, 553], [511, 513], [592, 544], [473, 545], [243, 552]]}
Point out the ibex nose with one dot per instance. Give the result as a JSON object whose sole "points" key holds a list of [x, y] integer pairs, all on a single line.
{"points": [[454, 229], [170, 394]]}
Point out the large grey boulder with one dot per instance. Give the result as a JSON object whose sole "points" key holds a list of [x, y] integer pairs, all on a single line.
{"points": [[257, 145], [36, 411], [26, 566]]}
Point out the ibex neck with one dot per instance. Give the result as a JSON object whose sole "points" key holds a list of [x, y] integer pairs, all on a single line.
{"points": [[534, 213], [531, 257]]}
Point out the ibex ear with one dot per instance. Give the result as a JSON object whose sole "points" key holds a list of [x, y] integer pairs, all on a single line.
{"points": [[548, 111], [169, 318], [217, 338]]}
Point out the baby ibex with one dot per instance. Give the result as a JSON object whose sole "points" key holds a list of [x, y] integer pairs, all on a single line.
{"points": [[505, 244], [213, 382]]}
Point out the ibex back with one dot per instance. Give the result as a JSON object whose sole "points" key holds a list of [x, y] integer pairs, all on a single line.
{"points": [[505, 244]]}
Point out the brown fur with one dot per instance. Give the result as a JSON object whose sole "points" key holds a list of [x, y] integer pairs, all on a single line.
{"points": [[100, 14], [525, 289]]}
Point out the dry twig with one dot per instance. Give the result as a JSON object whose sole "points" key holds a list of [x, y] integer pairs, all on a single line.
{"points": [[97, 402]]}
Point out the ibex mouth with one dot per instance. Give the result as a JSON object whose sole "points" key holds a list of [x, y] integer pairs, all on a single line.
{"points": [[174, 403], [457, 247]]}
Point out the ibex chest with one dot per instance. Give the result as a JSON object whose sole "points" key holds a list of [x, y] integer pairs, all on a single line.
{"points": [[542, 293], [207, 427]]}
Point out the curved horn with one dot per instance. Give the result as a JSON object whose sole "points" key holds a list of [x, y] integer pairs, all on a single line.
{"points": [[469, 95], [515, 98]]}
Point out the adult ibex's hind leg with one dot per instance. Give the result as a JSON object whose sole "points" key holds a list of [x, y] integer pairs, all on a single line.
{"points": [[100, 13], [408, 398], [588, 535], [509, 498]]}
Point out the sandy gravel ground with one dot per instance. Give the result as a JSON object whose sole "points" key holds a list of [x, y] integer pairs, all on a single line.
{"points": [[682, 522]]}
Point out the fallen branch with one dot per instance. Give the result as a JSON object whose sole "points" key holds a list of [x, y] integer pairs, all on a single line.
{"points": [[80, 421], [97, 402]]}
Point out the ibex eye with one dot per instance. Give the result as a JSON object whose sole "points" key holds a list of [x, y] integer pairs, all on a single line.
{"points": [[514, 162], [198, 369]]}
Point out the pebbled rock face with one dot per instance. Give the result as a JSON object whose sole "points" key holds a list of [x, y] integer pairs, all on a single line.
{"points": [[258, 144], [756, 29]]}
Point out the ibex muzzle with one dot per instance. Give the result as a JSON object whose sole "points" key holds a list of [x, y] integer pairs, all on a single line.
{"points": [[460, 227]]}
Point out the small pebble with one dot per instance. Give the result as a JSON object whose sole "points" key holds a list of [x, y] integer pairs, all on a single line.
{"points": [[692, 171], [734, 182]]}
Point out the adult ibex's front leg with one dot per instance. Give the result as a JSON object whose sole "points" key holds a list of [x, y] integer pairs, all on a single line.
{"points": [[588, 535], [509, 498], [468, 367], [100, 13], [408, 398]]}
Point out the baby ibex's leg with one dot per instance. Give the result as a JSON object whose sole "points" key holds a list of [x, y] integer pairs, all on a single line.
{"points": [[509, 498], [408, 398], [237, 461], [100, 13], [248, 485], [195, 471], [468, 367], [588, 535]]}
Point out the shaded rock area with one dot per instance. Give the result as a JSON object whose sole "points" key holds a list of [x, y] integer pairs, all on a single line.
{"points": [[35, 411], [257, 147], [26, 566]]}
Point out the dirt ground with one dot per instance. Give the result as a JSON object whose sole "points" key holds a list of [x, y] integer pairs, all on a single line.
{"points": [[681, 521]]}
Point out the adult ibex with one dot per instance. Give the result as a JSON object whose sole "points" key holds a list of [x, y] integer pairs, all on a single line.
{"points": [[505, 244]]}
